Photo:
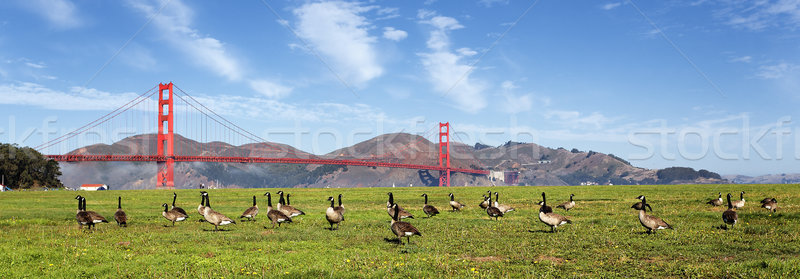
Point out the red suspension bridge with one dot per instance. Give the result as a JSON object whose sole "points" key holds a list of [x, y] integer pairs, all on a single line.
{"points": [[215, 135]]}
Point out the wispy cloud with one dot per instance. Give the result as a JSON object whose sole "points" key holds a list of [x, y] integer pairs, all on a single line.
{"points": [[76, 98], [761, 15], [61, 14], [447, 71], [340, 32], [175, 24], [270, 89], [743, 59], [777, 71], [36, 65], [611, 6], [394, 34], [490, 3]]}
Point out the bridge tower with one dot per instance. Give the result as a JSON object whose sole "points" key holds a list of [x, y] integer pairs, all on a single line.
{"points": [[165, 175], [444, 154]]}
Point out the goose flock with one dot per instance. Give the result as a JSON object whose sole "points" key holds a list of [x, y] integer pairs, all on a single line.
{"points": [[284, 212]]}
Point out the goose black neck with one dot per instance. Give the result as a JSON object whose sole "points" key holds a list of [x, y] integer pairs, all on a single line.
{"points": [[331, 199], [644, 204], [80, 207], [544, 199], [570, 197], [287, 199], [165, 207], [281, 200], [174, 197], [391, 198], [340, 200], [730, 205], [426, 199], [269, 200], [496, 197], [254, 200], [452, 198], [208, 201], [741, 196], [396, 212], [119, 202], [83, 201]]}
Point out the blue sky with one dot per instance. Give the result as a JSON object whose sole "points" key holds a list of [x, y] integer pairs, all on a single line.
{"points": [[706, 84]]}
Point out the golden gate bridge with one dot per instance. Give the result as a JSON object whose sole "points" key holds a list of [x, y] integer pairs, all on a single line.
{"points": [[204, 124]]}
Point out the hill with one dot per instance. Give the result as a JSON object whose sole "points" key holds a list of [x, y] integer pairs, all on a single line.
{"points": [[536, 165]]}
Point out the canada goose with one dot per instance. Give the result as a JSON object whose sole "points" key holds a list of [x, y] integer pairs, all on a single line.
{"points": [[82, 216], [457, 206], [214, 217], [504, 208], [251, 212], [485, 203], [549, 218], [93, 216], [120, 216], [400, 228], [567, 205], [333, 215], [429, 210], [276, 216], [493, 211], [730, 217], [390, 208], [173, 215], [178, 209], [287, 209], [717, 201], [639, 205], [740, 202], [650, 222], [771, 205]]}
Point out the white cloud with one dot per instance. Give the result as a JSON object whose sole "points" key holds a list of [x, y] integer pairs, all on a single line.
{"points": [[175, 24], [77, 98], [338, 31], [446, 70], [577, 119], [761, 15], [36, 65], [611, 6], [270, 89], [388, 13], [394, 34], [777, 71], [744, 59], [490, 3], [466, 51], [90, 99], [60, 13]]}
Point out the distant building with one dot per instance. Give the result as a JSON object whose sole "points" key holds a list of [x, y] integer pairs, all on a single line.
{"points": [[94, 187], [497, 176]]}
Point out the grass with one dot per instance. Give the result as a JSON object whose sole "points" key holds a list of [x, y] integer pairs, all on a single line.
{"points": [[40, 237]]}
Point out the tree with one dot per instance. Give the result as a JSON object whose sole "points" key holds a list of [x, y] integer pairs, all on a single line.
{"points": [[24, 167]]}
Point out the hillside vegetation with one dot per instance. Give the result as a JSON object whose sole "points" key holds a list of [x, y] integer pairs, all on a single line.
{"points": [[41, 237]]}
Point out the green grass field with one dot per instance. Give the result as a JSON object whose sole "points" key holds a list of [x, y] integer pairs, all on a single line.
{"points": [[40, 237]]}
